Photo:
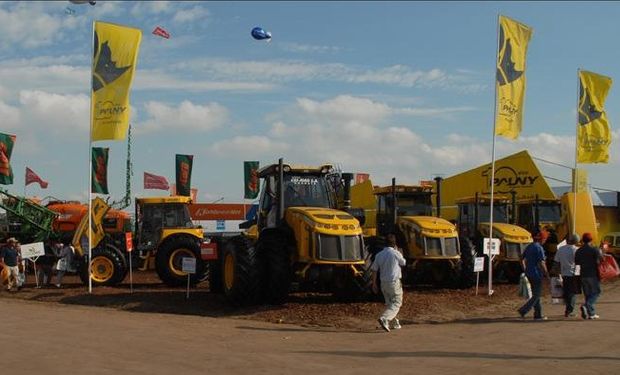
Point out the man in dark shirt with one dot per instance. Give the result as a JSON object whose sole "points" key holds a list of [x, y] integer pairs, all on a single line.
{"points": [[533, 261], [9, 256], [588, 258]]}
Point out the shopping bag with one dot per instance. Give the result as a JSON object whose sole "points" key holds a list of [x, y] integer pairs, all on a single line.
{"points": [[557, 291], [525, 289], [608, 268]]}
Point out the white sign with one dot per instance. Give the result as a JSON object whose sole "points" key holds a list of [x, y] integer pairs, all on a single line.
{"points": [[32, 250], [494, 246], [189, 265], [479, 264]]}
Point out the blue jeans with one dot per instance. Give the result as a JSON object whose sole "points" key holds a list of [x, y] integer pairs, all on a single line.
{"points": [[591, 290], [534, 302]]}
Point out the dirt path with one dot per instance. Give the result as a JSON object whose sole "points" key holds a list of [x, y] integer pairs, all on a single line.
{"points": [[53, 338]]}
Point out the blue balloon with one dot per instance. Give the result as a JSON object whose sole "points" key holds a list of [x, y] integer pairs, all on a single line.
{"points": [[259, 34]]}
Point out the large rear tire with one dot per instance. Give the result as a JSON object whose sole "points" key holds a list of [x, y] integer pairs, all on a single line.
{"points": [[169, 260], [468, 258], [109, 266], [276, 265], [240, 272]]}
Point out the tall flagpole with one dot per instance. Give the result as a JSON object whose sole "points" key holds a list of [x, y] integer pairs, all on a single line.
{"points": [[574, 231], [90, 171], [492, 183]]}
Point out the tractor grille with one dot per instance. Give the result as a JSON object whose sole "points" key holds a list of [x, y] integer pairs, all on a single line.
{"points": [[452, 246], [339, 247], [433, 246], [513, 250]]}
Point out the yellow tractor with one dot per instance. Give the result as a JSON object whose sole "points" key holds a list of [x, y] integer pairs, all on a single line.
{"points": [[165, 235], [473, 222], [299, 240], [430, 244]]}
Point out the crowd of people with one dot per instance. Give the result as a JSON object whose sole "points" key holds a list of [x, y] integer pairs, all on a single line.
{"points": [[578, 267], [58, 259]]}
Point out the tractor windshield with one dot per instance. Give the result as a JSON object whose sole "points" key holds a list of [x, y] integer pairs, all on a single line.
{"points": [[306, 191], [500, 213], [414, 205], [549, 213]]}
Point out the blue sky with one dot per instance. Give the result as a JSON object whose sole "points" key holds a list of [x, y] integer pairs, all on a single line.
{"points": [[394, 89]]}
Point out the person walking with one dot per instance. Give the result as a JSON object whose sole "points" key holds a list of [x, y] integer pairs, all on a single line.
{"points": [[387, 263], [565, 259], [9, 256], [588, 258], [533, 261], [45, 264], [65, 263]]}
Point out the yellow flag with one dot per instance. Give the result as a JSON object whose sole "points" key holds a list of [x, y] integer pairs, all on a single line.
{"points": [[593, 134], [114, 62], [510, 79], [99, 209]]}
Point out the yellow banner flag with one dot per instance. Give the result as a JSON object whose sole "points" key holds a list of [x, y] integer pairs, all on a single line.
{"points": [[99, 210], [114, 62], [593, 134], [510, 79]]}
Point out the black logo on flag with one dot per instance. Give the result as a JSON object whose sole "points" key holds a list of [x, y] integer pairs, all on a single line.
{"points": [[587, 110], [506, 72], [106, 70]]}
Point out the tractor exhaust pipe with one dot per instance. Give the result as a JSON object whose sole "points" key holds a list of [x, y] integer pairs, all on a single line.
{"points": [[438, 181], [280, 192], [346, 178], [394, 205]]}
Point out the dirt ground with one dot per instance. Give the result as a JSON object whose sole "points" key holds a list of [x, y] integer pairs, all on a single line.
{"points": [[156, 330]]}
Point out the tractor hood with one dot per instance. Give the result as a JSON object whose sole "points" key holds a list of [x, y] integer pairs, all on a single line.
{"points": [[430, 226], [324, 220], [507, 232]]}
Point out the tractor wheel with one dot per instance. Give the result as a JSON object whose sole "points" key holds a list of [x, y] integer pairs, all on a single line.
{"points": [[513, 271], [468, 258], [348, 287], [108, 265], [169, 261], [240, 272], [276, 266]]}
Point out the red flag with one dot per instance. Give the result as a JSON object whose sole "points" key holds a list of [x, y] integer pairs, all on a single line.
{"points": [[361, 177], [33, 177], [161, 32], [152, 181]]}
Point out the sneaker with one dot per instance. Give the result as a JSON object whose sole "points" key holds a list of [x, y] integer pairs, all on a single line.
{"points": [[571, 315], [584, 312], [541, 318], [396, 324], [58, 285], [593, 317], [522, 315], [384, 324]]}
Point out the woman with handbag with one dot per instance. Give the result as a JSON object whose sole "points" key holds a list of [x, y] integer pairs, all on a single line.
{"points": [[588, 258]]}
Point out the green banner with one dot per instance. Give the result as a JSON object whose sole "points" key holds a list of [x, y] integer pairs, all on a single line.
{"points": [[6, 148], [184, 174], [250, 185], [99, 182]]}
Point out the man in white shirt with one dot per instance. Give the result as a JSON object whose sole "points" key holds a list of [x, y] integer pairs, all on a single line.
{"points": [[387, 263], [565, 257]]}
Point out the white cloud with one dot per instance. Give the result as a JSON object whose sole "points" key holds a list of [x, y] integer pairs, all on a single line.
{"points": [[279, 70], [309, 48], [29, 26], [190, 15], [10, 116], [147, 8], [157, 80], [255, 145], [65, 115], [186, 116]]}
